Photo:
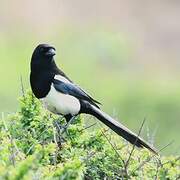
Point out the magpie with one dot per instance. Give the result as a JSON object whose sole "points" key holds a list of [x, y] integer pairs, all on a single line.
{"points": [[63, 97]]}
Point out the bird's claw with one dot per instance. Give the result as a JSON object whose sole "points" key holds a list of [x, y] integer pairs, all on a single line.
{"points": [[61, 129]]}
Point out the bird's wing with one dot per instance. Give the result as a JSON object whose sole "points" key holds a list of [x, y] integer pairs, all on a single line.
{"points": [[73, 90]]}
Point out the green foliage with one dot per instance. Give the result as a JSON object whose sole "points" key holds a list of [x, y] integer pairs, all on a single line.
{"points": [[32, 146]]}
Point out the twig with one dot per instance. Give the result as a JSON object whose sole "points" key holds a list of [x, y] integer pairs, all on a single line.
{"points": [[58, 128], [28, 151], [87, 127], [89, 156], [157, 169], [154, 134], [22, 86], [150, 157], [55, 140], [127, 162], [126, 174], [12, 157], [113, 147], [93, 153], [59, 132], [177, 159], [151, 137], [13, 143], [119, 148]]}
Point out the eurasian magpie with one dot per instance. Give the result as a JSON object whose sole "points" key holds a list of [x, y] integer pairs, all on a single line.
{"points": [[63, 97]]}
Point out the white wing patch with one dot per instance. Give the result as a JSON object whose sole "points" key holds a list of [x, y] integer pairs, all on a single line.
{"points": [[61, 78], [60, 103]]}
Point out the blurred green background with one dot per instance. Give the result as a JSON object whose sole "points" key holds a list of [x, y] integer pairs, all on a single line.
{"points": [[125, 53]]}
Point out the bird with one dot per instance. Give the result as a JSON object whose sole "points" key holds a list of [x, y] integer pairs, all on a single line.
{"points": [[63, 97]]}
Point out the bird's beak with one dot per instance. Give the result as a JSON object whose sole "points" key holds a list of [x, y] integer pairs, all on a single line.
{"points": [[51, 52]]}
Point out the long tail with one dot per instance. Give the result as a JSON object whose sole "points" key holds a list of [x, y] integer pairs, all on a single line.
{"points": [[120, 129]]}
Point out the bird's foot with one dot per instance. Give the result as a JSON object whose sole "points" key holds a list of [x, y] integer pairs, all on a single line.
{"points": [[67, 125], [62, 129]]}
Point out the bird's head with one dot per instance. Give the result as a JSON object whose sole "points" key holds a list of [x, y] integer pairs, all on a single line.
{"points": [[43, 55]]}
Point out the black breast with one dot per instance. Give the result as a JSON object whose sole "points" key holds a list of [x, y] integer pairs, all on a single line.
{"points": [[41, 83]]}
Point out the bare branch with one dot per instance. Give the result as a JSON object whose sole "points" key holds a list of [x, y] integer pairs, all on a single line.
{"points": [[150, 157], [88, 127], [127, 162], [13, 143], [22, 86], [113, 147], [177, 159], [157, 169]]}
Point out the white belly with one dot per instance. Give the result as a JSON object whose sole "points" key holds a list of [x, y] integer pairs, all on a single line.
{"points": [[60, 103]]}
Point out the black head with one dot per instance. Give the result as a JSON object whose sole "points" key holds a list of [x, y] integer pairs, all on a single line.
{"points": [[43, 55]]}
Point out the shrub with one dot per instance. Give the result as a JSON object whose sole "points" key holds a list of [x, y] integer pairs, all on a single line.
{"points": [[32, 146]]}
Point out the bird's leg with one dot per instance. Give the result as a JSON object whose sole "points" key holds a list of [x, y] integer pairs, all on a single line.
{"points": [[59, 128], [69, 121], [58, 125]]}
